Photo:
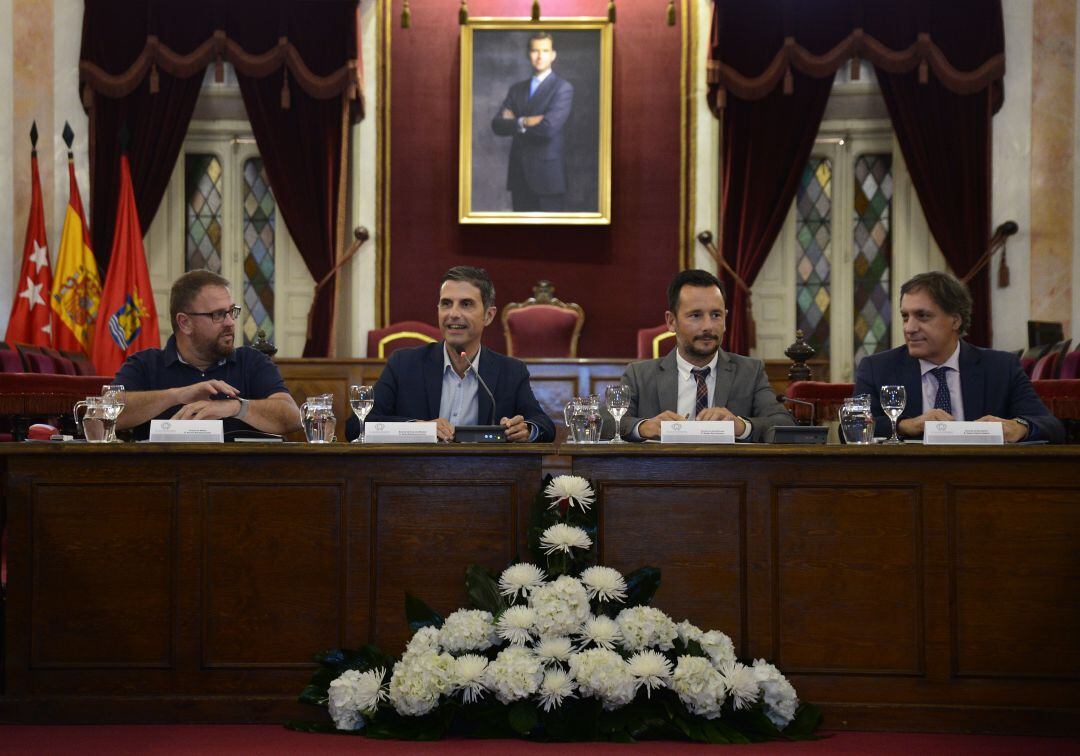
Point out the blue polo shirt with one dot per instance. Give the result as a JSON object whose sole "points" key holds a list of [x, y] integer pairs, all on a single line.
{"points": [[247, 370]]}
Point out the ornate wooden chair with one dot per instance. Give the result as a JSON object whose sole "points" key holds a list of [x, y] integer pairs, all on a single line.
{"points": [[406, 333], [654, 342], [542, 326]]}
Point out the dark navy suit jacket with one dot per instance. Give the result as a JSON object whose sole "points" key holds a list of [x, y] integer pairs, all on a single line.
{"points": [[410, 388], [536, 155], [991, 383]]}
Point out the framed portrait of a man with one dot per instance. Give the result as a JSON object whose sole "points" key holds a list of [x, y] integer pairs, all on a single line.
{"points": [[535, 121]]}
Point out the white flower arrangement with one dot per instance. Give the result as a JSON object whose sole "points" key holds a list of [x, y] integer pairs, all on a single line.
{"points": [[563, 537], [355, 694], [520, 579], [604, 583], [576, 490], [468, 630]]}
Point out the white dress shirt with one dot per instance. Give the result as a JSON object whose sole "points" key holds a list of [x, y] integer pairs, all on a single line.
{"points": [[459, 403], [952, 380]]}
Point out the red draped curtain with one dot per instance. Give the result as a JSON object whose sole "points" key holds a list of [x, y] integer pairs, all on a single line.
{"points": [[142, 66], [771, 67]]}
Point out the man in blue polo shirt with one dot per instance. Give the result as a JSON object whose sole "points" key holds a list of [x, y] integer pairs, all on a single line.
{"points": [[199, 375]]}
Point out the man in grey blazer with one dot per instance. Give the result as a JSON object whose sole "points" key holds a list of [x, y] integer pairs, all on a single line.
{"points": [[698, 380]]}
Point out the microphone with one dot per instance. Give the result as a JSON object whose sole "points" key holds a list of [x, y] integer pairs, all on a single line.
{"points": [[483, 383], [785, 398], [491, 433]]}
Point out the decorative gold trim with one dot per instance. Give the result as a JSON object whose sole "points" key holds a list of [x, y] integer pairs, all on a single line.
{"points": [[688, 110], [543, 294], [402, 335], [656, 342], [382, 171], [466, 215]]}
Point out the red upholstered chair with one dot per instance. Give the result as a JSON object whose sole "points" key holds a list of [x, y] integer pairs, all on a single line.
{"points": [[654, 342], [1061, 397], [1049, 365], [64, 366], [407, 333], [10, 360], [542, 326], [826, 397], [83, 364], [41, 363], [1070, 366], [1031, 356]]}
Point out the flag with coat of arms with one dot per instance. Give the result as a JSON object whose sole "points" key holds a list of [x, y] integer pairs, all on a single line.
{"points": [[127, 319]]}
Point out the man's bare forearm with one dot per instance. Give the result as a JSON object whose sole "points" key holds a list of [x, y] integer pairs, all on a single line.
{"points": [[277, 413], [141, 406]]}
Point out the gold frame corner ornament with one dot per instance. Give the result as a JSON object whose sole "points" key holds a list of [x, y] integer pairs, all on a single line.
{"points": [[466, 214]]}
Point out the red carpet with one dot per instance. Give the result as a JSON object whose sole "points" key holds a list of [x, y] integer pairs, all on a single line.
{"points": [[263, 739]]}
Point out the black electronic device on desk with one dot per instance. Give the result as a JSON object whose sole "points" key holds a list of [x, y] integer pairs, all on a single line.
{"points": [[482, 434], [797, 434]]}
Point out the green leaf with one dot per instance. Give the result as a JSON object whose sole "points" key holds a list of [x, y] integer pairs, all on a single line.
{"points": [[483, 590], [523, 717], [420, 614], [712, 733], [641, 584], [807, 718], [314, 695]]}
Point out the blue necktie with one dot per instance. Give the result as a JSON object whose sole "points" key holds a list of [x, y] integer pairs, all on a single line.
{"points": [[942, 400], [534, 84]]}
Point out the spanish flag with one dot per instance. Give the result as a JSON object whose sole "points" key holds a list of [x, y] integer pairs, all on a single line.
{"points": [[76, 286], [127, 319]]}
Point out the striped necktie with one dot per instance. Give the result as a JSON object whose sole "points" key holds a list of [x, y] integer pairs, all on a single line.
{"points": [[702, 399], [942, 400]]}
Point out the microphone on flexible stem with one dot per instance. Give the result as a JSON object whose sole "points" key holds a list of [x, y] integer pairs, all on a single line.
{"points": [[483, 383], [786, 398], [482, 433]]}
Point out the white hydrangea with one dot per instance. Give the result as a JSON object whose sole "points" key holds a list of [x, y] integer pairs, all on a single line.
{"points": [[688, 631], [516, 624], [604, 583], [354, 694], [520, 578], [423, 640], [718, 646], [600, 631], [741, 682], [557, 685], [650, 669], [572, 487], [468, 630], [777, 693], [418, 681], [604, 675], [469, 677], [561, 606], [553, 649], [515, 674], [646, 627], [699, 686]]}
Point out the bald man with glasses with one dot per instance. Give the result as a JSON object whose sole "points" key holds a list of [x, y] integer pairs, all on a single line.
{"points": [[200, 375]]}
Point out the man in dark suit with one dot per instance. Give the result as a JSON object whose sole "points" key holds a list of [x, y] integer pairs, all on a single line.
{"points": [[438, 381], [534, 113], [948, 379], [698, 380]]}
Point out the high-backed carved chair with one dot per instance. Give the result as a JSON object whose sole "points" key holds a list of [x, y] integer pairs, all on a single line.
{"points": [[542, 325], [407, 333], [1049, 365], [1031, 356], [654, 342]]}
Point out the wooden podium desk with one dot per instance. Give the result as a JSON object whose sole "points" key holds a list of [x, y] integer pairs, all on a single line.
{"points": [[194, 582], [902, 587]]}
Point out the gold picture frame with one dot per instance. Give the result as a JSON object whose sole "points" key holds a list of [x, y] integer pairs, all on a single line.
{"points": [[512, 165]]}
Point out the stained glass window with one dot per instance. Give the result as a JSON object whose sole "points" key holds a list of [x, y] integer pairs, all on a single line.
{"points": [[202, 188], [873, 254], [259, 224], [813, 234]]}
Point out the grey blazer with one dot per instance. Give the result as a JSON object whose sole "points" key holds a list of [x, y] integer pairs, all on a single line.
{"points": [[741, 386]]}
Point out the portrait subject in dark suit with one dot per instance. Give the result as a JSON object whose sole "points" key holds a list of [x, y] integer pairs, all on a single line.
{"points": [[534, 114]]}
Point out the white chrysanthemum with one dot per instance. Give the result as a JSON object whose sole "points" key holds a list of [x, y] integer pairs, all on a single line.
{"points": [[563, 537], [515, 674], [571, 487], [424, 639], [520, 578], [776, 692], [556, 686], [604, 583], [354, 694], [468, 630], [604, 675], [516, 624], [561, 606], [600, 631], [553, 649], [418, 681], [650, 669], [741, 684], [646, 627], [469, 677], [699, 686]]}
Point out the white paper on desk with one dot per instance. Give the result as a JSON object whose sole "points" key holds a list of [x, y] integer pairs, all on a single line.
{"points": [[399, 433], [953, 432], [697, 431], [187, 431]]}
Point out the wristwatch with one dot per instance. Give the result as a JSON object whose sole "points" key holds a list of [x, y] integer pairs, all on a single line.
{"points": [[1026, 424], [243, 409]]}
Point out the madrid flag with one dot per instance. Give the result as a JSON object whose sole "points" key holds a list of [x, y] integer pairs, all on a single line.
{"points": [[76, 290], [127, 319], [31, 319]]}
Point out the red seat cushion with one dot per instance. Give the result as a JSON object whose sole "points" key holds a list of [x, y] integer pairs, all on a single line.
{"points": [[10, 362], [42, 363], [541, 331], [827, 397]]}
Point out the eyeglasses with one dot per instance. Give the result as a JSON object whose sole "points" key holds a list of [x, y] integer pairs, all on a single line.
{"points": [[219, 315]]}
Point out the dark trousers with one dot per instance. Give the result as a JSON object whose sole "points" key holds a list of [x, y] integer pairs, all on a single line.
{"points": [[526, 201]]}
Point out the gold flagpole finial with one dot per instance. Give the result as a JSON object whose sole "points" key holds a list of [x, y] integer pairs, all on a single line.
{"points": [[406, 15], [611, 11], [536, 10], [671, 13], [463, 13]]}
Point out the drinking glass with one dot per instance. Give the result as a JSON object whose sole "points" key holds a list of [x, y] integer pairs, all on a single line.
{"points": [[575, 413], [115, 397], [95, 423], [856, 420], [618, 402], [361, 399], [319, 421], [593, 419], [893, 401]]}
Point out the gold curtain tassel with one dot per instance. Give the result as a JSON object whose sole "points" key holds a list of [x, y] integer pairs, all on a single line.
{"points": [[286, 98], [536, 10], [406, 15], [671, 13], [721, 98], [611, 11], [856, 68], [924, 72], [155, 82], [789, 82], [1003, 271], [463, 13]]}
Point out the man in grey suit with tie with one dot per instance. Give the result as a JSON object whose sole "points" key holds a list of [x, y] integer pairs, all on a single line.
{"points": [[698, 380]]}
